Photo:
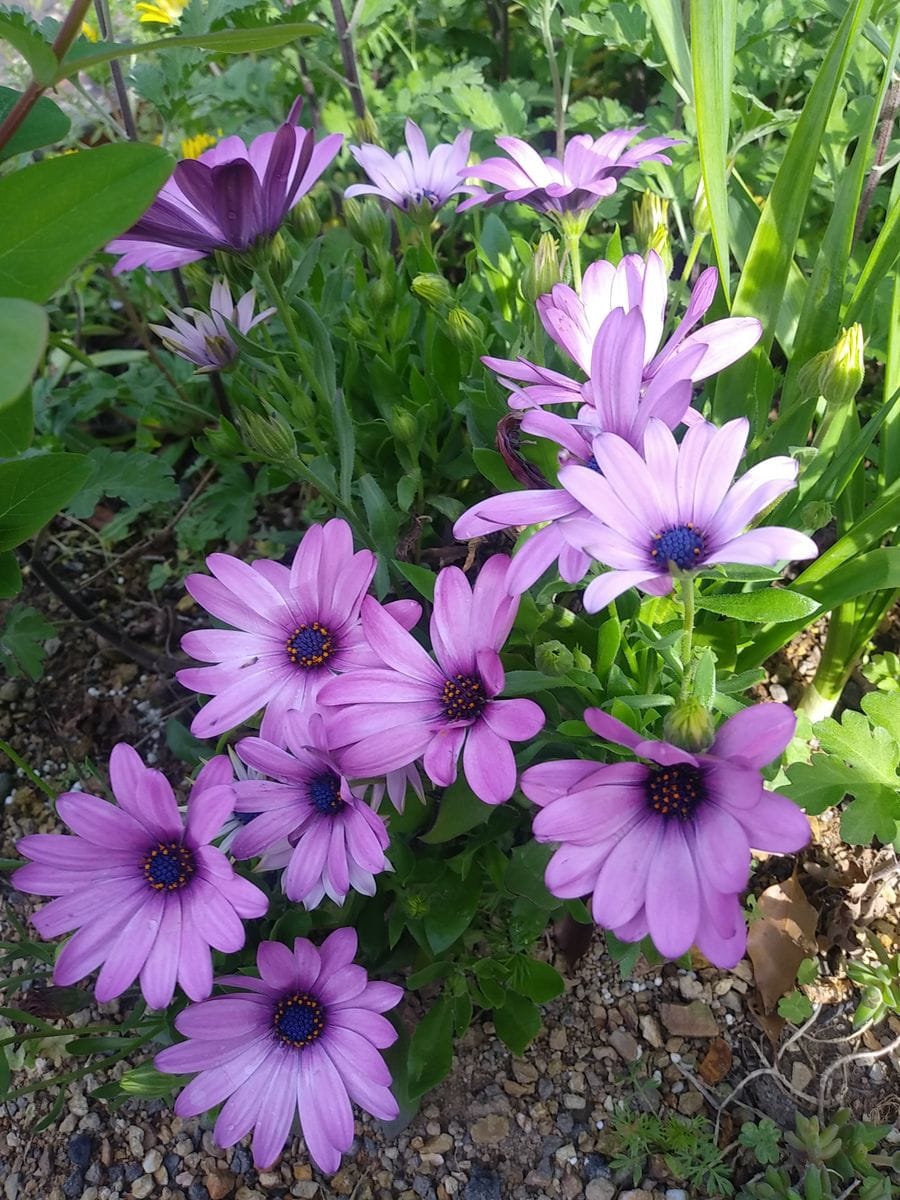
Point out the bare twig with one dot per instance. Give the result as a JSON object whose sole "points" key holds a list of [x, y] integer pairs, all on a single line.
{"points": [[864, 1056], [885, 128], [101, 8], [798, 1033], [348, 57]]}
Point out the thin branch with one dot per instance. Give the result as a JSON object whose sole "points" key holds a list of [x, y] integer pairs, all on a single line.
{"points": [[864, 1056], [101, 8], [885, 128], [348, 57]]}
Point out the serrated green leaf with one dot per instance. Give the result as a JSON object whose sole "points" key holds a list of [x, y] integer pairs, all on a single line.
{"points": [[884, 710], [57, 212], [22, 641], [138, 478], [767, 605], [819, 784], [871, 751]]}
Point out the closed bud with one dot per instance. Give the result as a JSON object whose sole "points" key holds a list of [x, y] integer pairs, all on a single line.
{"points": [[368, 224], [649, 214], [465, 330], [366, 129], [544, 270], [305, 220], [660, 244], [689, 724], [404, 427], [836, 374], [269, 437], [383, 291], [582, 661], [224, 440], [433, 289], [553, 658], [702, 222]]}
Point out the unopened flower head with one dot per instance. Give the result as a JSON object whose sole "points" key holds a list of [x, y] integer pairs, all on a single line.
{"points": [[147, 893], [412, 706], [664, 845], [678, 508], [205, 339], [230, 198], [837, 374], [414, 180], [301, 1039], [590, 169]]}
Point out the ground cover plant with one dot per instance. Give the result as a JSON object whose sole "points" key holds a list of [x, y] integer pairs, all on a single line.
{"points": [[499, 432]]}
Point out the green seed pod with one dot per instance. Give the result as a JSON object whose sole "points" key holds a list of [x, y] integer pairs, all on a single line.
{"points": [[689, 724], [553, 658], [433, 289]]}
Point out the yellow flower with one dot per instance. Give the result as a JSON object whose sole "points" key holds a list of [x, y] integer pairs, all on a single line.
{"points": [[90, 31], [193, 147], [161, 12]]}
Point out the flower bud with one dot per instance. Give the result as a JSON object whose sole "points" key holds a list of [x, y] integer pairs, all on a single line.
{"points": [[433, 289], [649, 213], [270, 436], [553, 658], [404, 427], [544, 269], [368, 224], [465, 330], [689, 724], [582, 661], [837, 374], [702, 222], [305, 220], [383, 290]]}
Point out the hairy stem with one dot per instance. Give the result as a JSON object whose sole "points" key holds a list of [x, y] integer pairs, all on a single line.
{"points": [[687, 635]]}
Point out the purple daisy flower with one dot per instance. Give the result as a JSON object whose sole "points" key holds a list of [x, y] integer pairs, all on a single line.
{"points": [[678, 508], [146, 892], [414, 178], [590, 169], [294, 628], [415, 706], [337, 842], [303, 1039], [205, 340], [665, 848], [228, 198]]}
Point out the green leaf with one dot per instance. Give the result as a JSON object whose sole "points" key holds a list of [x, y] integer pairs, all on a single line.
{"points": [[23, 336], [884, 710], [517, 1021], [17, 425], [22, 642], [57, 212], [146, 1081], [459, 811], [32, 490], [666, 18], [225, 41], [529, 683], [451, 910], [44, 125], [795, 1007], [536, 980], [491, 465], [525, 874], [10, 575], [431, 1048], [768, 604], [185, 746], [768, 263], [819, 784], [421, 578], [35, 49], [138, 478], [713, 30]]}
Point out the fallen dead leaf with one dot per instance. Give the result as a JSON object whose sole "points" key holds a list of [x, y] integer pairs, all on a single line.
{"points": [[716, 1062], [689, 1020], [779, 939]]}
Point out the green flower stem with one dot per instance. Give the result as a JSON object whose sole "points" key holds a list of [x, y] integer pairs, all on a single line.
{"points": [[90, 1069], [277, 298], [559, 107], [84, 1031], [687, 637], [299, 467], [20, 762], [572, 238]]}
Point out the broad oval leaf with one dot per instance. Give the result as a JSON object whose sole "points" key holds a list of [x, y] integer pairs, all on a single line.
{"points": [[32, 490], [23, 336], [44, 125], [57, 212], [767, 605]]}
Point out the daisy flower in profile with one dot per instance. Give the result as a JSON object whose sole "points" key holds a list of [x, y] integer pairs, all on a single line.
{"points": [[664, 846], [228, 199], [302, 1039], [678, 508], [590, 169], [205, 339], [414, 179], [337, 842], [293, 628], [145, 890], [413, 706]]}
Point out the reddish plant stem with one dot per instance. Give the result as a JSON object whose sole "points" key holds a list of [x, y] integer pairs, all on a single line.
{"points": [[67, 34], [348, 56]]}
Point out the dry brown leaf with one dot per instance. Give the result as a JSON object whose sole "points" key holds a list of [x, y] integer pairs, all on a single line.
{"points": [[780, 938], [717, 1062]]}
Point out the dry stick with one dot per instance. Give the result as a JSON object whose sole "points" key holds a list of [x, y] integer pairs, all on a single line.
{"points": [[101, 8], [146, 658], [885, 127], [67, 34], [348, 56], [798, 1033], [863, 1056], [758, 1074]]}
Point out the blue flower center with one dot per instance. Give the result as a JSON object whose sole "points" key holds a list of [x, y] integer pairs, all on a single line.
{"points": [[168, 867], [310, 645], [425, 194], [683, 545], [299, 1020], [592, 464], [244, 818], [675, 791], [463, 698], [325, 793]]}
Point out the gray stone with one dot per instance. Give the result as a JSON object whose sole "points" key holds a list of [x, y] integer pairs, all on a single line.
{"points": [[11, 1186], [625, 1045], [132, 1171], [600, 1189], [596, 1167], [80, 1149], [92, 1174], [172, 1163], [74, 1185], [197, 1191], [422, 1187], [143, 1187], [483, 1185], [241, 1162]]}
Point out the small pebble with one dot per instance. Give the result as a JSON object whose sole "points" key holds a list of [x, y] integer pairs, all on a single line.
{"points": [[79, 1149], [142, 1187], [483, 1185]]}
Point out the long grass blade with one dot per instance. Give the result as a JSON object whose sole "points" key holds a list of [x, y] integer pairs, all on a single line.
{"points": [[666, 18]]}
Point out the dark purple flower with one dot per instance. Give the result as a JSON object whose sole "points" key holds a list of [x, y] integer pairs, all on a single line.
{"points": [[336, 841], [414, 178], [227, 199], [665, 848], [413, 706], [146, 892], [678, 508], [590, 169], [303, 1039], [295, 627]]}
